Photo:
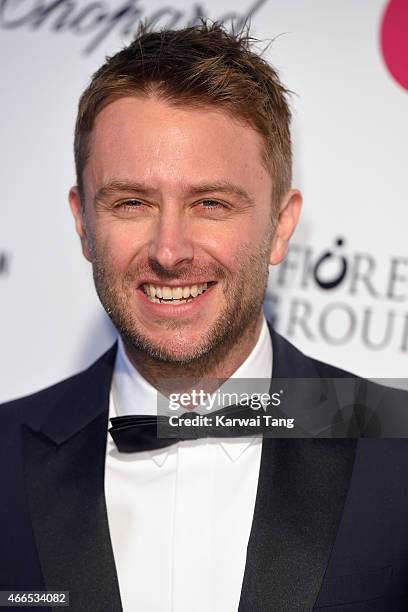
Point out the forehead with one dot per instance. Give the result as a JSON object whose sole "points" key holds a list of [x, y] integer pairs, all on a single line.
{"points": [[153, 140]]}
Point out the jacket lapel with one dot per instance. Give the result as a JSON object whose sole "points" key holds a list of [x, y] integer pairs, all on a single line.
{"points": [[64, 458], [302, 488]]}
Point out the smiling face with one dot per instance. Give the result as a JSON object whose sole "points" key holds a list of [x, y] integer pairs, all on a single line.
{"points": [[177, 225]]}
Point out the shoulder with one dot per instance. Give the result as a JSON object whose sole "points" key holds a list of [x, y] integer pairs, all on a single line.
{"points": [[327, 370], [78, 386], [294, 363], [380, 409]]}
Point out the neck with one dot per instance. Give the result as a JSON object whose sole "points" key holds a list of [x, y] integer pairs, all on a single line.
{"points": [[219, 365]]}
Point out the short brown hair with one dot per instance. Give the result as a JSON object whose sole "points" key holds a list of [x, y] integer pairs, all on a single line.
{"points": [[202, 65]]}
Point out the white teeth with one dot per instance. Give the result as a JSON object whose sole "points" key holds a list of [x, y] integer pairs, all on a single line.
{"points": [[178, 295]]}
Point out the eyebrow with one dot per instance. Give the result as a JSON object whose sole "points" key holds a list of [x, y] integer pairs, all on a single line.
{"points": [[222, 187], [113, 187]]}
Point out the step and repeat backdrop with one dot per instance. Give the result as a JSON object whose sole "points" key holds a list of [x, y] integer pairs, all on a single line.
{"points": [[342, 293]]}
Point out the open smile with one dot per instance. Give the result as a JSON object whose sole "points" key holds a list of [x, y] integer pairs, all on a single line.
{"points": [[174, 295]]}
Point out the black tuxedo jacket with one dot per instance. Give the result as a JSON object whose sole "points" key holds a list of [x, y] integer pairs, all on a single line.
{"points": [[330, 525]]}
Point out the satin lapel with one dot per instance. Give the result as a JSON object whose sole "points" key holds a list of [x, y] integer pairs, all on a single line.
{"points": [[66, 499], [302, 489], [65, 490]]}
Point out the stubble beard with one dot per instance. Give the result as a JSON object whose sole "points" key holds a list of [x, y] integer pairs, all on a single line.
{"points": [[244, 294]]}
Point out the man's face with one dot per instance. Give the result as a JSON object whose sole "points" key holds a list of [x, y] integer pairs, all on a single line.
{"points": [[177, 225]]}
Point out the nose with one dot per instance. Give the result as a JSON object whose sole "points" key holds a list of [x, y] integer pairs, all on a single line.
{"points": [[171, 243]]}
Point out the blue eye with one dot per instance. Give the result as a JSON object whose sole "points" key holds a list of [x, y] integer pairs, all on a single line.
{"points": [[211, 203], [129, 205]]}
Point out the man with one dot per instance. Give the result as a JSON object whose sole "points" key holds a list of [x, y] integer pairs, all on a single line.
{"points": [[183, 200]]}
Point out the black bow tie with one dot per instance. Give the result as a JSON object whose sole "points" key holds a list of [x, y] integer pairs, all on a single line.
{"points": [[135, 433]]}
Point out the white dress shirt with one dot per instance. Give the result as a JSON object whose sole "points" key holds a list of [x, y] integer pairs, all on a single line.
{"points": [[180, 517]]}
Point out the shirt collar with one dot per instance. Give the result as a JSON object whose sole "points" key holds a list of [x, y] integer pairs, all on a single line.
{"points": [[131, 393]]}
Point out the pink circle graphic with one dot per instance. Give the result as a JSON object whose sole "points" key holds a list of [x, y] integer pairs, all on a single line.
{"points": [[394, 40]]}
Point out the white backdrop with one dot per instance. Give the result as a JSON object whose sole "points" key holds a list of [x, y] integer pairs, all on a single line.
{"points": [[342, 295]]}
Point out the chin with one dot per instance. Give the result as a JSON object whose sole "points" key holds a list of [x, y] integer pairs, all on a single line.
{"points": [[183, 349], [174, 353]]}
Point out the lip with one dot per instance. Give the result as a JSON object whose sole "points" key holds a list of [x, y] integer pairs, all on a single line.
{"points": [[168, 310]]}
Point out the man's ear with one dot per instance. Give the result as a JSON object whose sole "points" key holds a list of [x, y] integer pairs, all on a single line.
{"points": [[288, 217], [78, 212]]}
